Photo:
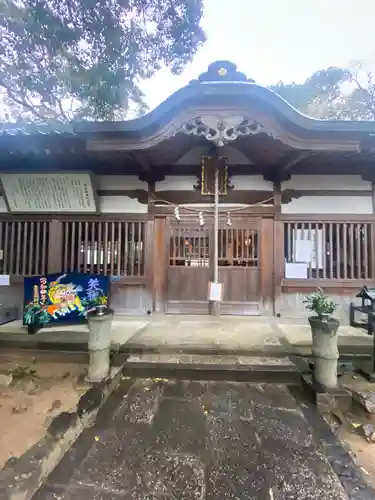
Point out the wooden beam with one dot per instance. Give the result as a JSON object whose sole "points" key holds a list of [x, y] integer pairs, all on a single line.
{"points": [[263, 211], [289, 163], [326, 217], [142, 160], [290, 194], [233, 196]]}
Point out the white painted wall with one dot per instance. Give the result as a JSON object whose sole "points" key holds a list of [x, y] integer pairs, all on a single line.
{"points": [[333, 182], [177, 183], [304, 205], [121, 205], [194, 156], [251, 183], [329, 205], [119, 182], [240, 183]]}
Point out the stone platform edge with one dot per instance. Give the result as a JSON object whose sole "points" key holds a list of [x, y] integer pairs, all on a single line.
{"points": [[20, 478], [345, 467], [31, 342]]}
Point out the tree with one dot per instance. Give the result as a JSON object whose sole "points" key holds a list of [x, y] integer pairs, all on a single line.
{"points": [[83, 59], [334, 93]]}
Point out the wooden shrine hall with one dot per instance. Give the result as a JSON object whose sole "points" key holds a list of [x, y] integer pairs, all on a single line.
{"points": [[223, 182]]}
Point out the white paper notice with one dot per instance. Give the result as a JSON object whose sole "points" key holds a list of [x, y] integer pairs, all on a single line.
{"points": [[4, 280], [215, 292], [304, 251], [316, 238], [294, 270]]}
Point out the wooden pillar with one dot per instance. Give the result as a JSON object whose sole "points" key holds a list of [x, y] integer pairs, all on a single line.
{"points": [[160, 263], [149, 247], [278, 262], [55, 247], [151, 195], [267, 265], [278, 249]]}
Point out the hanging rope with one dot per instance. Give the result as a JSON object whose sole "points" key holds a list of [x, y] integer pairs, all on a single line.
{"points": [[199, 210], [215, 227]]}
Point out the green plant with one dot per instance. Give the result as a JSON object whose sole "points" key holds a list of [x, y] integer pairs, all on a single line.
{"points": [[35, 314], [319, 303]]}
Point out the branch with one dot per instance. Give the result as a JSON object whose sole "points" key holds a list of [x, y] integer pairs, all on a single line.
{"points": [[59, 103], [371, 105], [21, 102], [25, 103]]}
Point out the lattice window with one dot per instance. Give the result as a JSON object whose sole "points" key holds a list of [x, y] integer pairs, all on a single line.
{"points": [[104, 247], [189, 247], [238, 247], [340, 250], [24, 247]]}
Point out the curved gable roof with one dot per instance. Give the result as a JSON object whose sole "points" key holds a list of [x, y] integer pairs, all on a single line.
{"points": [[223, 87], [221, 91]]}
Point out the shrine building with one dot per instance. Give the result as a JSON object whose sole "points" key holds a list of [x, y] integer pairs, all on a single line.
{"points": [[135, 200]]}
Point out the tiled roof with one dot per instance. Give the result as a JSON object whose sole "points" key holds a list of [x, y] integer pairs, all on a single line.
{"points": [[18, 129]]}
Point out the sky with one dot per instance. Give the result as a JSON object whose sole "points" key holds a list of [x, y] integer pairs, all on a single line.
{"points": [[272, 40]]}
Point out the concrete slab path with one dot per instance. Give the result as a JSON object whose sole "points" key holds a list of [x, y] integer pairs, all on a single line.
{"points": [[190, 332], [234, 333], [186, 440]]}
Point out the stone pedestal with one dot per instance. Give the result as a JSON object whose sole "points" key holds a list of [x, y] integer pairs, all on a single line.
{"points": [[325, 350], [100, 322], [326, 400]]}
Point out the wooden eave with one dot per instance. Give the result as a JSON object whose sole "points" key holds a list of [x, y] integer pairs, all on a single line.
{"points": [[291, 141]]}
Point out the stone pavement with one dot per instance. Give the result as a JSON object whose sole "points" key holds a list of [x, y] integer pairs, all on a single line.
{"points": [[234, 333], [186, 440], [194, 332], [123, 328]]}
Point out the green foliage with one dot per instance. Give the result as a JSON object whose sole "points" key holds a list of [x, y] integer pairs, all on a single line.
{"points": [[91, 303], [319, 303], [83, 59], [334, 93], [35, 314]]}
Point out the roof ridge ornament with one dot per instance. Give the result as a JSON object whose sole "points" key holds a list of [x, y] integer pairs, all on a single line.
{"points": [[222, 71], [221, 129]]}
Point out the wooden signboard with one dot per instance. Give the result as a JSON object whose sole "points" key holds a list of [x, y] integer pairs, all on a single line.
{"points": [[49, 192]]}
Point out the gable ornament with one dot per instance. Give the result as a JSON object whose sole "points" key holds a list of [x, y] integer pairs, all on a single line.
{"points": [[221, 130]]}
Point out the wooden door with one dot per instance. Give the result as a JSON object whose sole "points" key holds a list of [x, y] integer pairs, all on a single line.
{"points": [[239, 269], [188, 269], [191, 263]]}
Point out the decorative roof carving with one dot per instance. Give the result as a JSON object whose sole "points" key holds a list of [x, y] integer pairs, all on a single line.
{"points": [[222, 71], [221, 129]]}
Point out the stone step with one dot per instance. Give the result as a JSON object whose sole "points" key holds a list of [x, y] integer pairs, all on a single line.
{"points": [[201, 367], [208, 359]]}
